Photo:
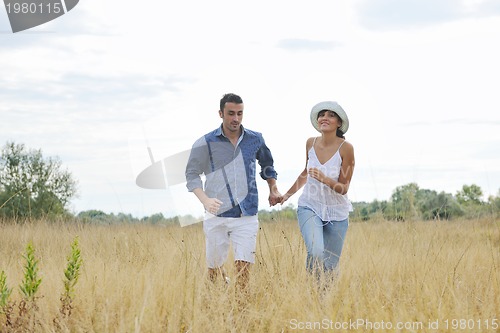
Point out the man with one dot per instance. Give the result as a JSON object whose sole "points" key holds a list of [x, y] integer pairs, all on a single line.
{"points": [[227, 157]]}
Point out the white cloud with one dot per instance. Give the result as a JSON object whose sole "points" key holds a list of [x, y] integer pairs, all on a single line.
{"points": [[306, 45], [411, 14]]}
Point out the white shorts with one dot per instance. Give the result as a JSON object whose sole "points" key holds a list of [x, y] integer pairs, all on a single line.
{"points": [[221, 231]]}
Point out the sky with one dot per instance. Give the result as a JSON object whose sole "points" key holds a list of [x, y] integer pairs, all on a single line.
{"points": [[419, 80]]}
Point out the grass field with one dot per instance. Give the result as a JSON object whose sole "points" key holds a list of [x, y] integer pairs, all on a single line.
{"points": [[395, 277]]}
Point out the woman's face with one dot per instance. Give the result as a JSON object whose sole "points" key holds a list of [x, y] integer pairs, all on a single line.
{"points": [[328, 119]]}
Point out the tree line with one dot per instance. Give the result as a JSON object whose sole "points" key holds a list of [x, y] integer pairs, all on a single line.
{"points": [[410, 202], [34, 187]]}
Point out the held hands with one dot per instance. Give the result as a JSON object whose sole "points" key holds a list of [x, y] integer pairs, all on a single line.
{"points": [[275, 196], [284, 198]]}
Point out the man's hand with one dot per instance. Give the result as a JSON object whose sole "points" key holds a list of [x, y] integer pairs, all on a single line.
{"points": [[212, 205], [275, 196]]}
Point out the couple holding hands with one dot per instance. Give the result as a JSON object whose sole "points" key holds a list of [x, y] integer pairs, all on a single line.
{"points": [[227, 158]]}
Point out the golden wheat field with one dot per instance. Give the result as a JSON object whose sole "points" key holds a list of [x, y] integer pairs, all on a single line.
{"points": [[394, 277]]}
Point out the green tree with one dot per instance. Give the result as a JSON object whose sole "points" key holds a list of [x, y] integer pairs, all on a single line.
{"points": [[438, 206], [94, 216], [31, 185], [404, 202], [494, 202], [470, 194], [154, 219]]}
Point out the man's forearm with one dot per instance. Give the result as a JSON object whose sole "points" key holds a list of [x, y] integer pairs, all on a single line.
{"points": [[271, 182], [200, 194]]}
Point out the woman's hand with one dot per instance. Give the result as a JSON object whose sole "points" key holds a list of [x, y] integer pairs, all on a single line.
{"points": [[285, 198], [317, 174]]}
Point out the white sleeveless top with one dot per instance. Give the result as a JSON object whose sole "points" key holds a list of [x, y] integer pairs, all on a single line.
{"points": [[324, 201]]}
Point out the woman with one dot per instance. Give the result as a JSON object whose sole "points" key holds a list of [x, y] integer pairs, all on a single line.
{"points": [[323, 208]]}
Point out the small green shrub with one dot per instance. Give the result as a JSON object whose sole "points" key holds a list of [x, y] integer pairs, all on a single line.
{"points": [[71, 275], [4, 291], [31, 282]]}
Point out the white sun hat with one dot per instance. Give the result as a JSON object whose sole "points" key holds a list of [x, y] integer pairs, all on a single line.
{"points": [[330, 106]]}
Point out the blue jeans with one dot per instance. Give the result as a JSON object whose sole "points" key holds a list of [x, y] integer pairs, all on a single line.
{"points": [[324, 240]]}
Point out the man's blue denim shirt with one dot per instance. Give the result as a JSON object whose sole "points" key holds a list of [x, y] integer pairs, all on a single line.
{"points": [[229, 170]]}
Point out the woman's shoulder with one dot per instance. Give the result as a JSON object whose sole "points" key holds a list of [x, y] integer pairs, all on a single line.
{"points": [[347, 144], [310, 142], [346, 147]]}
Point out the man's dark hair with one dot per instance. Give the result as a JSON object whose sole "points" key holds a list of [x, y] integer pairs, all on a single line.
{"points": [[229, 98]]}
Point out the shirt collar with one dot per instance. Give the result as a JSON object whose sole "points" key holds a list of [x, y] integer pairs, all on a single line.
{"points": [[219, 132]]}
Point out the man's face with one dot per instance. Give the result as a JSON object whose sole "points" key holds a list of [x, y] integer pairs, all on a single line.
{"points": [[232, 115]]}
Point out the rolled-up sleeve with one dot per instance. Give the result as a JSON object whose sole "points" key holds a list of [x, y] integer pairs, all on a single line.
{"points": [[266, 162], [198, 163]]}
